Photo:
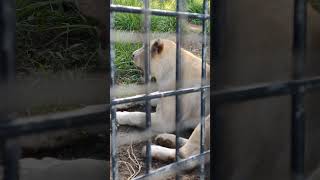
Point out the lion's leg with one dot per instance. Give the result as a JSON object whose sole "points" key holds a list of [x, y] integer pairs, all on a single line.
{"points": [[137, 119], [169, 140], [161, 153]]}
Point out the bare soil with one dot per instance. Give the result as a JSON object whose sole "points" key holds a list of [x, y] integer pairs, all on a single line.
{"points": [[131, 154]]}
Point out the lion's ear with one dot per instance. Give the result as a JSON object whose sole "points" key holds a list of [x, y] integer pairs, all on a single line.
{"points": [[157, 47]]}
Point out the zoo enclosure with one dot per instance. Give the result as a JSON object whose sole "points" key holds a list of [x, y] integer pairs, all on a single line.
{"points": [[147, 12], [9, 129]]}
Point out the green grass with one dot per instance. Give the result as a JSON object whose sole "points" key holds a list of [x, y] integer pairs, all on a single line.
{"points": [[195, 6], [134, 22], [126, 71], [52, 37]]}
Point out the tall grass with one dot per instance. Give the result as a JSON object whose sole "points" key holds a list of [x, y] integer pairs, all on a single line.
{"points": [[126, 71], [134, 22], [195, 6], [52, 36]]}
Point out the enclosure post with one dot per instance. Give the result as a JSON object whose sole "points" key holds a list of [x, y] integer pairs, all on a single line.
{"points": [[217, 14], [11, 160], [7, 40], [203, 81], [298, 112], [147, 79], [178, 77], [114, 158], [10, 152]]}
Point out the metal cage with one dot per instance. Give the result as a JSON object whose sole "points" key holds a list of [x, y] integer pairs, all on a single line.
{"points": [[147, 12], [9, 129]]}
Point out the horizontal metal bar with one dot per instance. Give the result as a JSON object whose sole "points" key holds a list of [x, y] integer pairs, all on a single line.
{"points": [[172, 168], [86, 116], [234, 94], [97, 115], [158, 94], [264, 90], [158, 12]]}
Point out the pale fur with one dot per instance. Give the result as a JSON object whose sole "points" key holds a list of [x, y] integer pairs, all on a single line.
{"points": [[163, 68], [190, 147]]}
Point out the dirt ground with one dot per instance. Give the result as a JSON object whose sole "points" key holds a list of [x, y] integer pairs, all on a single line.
{"points": [[131, 161]]}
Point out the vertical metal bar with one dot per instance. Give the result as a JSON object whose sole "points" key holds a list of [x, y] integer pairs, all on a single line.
{"points": [[114, 157], [7, 52], [298, 114], [178, 77], [7, 41], [217, 23], [108, 80], [11, 160], [9, 152], [147, 80], [203, 81]]}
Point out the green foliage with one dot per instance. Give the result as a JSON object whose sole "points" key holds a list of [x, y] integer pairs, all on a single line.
{"points": [[134, 22], [52, 36], [195, 6], [126, 71]]}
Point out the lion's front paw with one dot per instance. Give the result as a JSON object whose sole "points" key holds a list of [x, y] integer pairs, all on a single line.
{"points": [[166, 140]]}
